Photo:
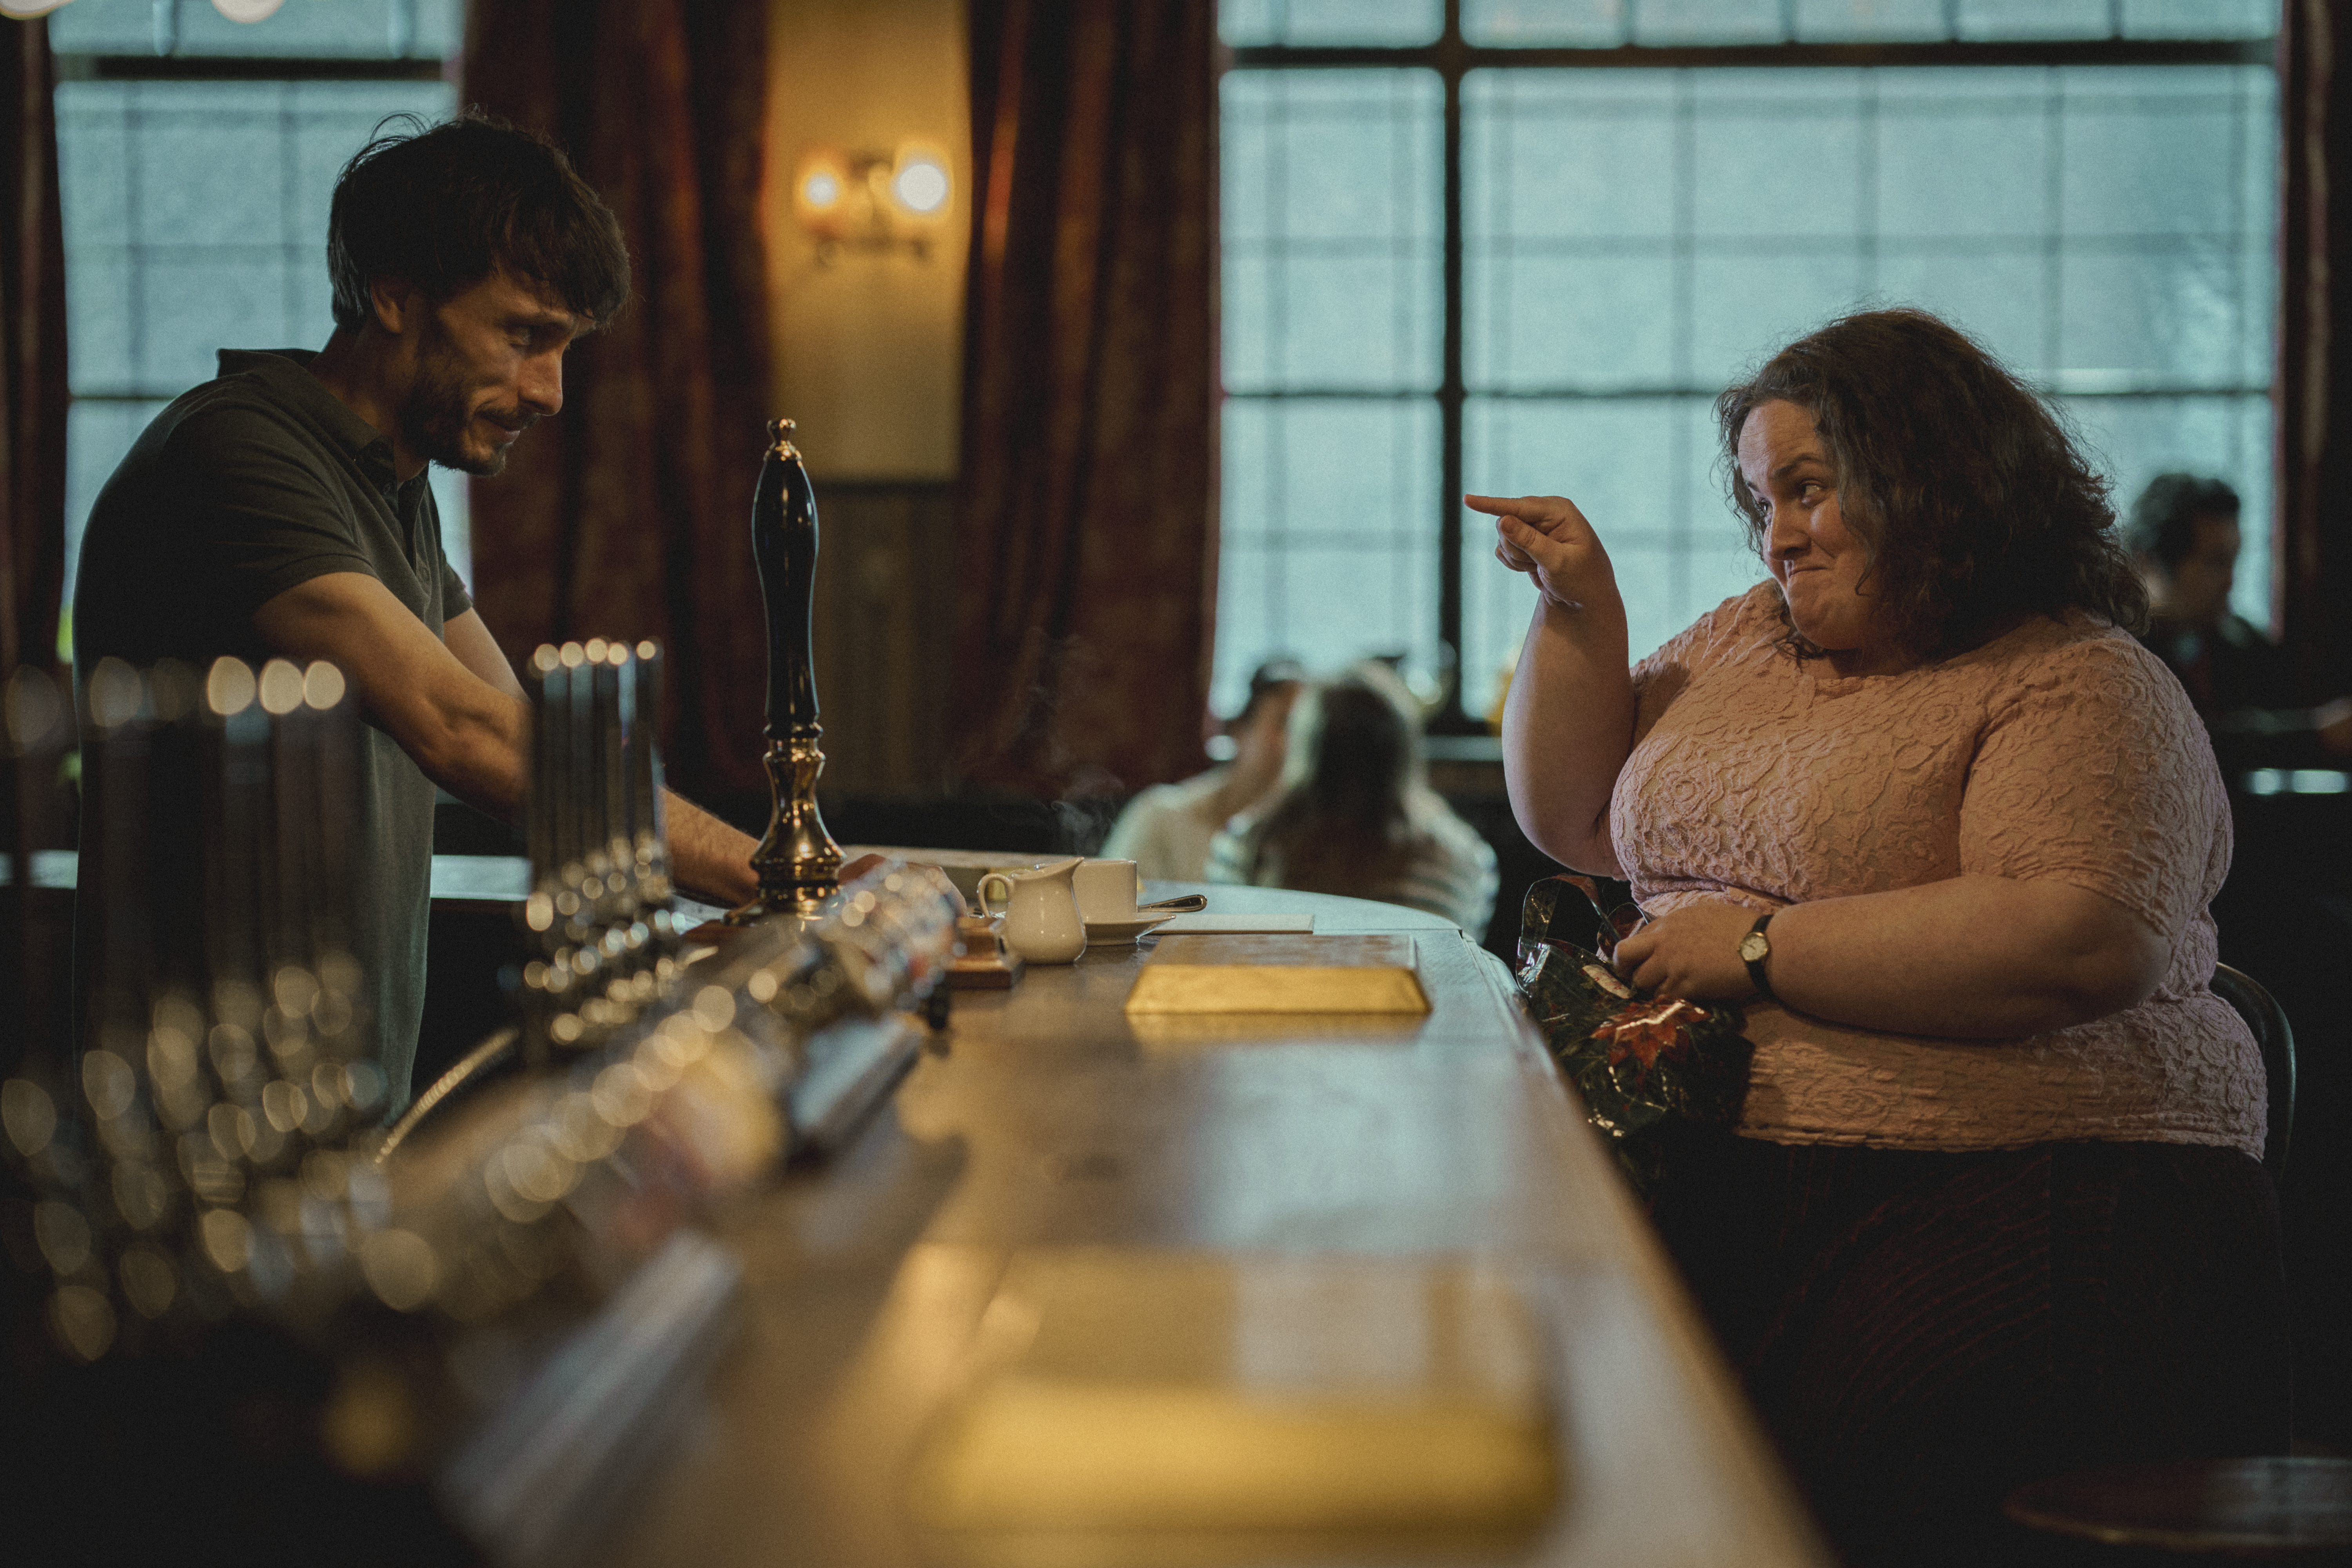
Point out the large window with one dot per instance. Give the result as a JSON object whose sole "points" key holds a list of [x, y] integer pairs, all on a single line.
{"points": [[1517, 247], [195, 160]]}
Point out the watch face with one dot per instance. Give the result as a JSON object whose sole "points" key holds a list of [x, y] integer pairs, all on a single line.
{"points": [[1754, 948]]}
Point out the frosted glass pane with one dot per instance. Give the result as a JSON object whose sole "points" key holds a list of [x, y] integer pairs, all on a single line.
{"points": [[1332, 219], [1562, 152], [196, 218], [1998, 297], [205, 167], [1646, 581], [2149, 154], [1529, 24], [1870, 21], [191, 309], [1329, 516], [1746, 304], [2202, 19], [1345, 154], [2018, 19], [453, 494], [1356, 321], [1632, 239], [2136, 438], [1247, 308], [1393, 23], [1599, 321], [2257, 306], [93, 163], [2251, 595], [2142, 315], [1963, 162], [1778, 153], [1339, 470], [1617, 458], [1716, 572], [103, 28], [1710, 22], [345, 30], [1249, 505], [99, 321]]}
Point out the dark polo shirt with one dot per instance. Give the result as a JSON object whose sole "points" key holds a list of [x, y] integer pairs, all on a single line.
{"points": [[244, 488]]}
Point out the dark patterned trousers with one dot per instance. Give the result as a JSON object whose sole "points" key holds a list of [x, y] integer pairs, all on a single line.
{"points": [[1923, 1331]]}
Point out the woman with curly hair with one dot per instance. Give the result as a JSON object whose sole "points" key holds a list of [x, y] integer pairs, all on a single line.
{"points": [[1924, 807]]}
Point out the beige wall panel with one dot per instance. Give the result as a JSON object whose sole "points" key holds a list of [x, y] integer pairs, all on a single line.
{"points": [[869, 343]]}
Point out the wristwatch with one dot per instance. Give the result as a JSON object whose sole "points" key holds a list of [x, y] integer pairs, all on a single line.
{"points": [[1755, 948]]}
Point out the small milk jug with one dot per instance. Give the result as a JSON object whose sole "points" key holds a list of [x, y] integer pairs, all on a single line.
{"points": [[1040, 911]]}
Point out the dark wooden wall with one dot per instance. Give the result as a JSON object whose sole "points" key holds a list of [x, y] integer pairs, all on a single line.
{"points": [[885, 617]]}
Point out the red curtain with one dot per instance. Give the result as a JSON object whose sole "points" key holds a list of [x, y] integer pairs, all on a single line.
{"points": [[1089, 494], [32, 340], [629, 514], [2314, 373]]}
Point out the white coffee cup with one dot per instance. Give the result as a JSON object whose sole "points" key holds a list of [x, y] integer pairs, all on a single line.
{"points": [[1106, 890]]}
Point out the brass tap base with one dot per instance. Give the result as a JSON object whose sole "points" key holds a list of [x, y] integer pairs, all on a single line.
{"points": [[798, 863]]}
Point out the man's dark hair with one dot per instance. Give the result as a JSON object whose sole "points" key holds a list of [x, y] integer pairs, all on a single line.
{"points": [[2163, 524], [444, 206], [1965, 488]]}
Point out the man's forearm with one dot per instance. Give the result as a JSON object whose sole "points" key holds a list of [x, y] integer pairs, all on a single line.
{"points": [[709, 858]]}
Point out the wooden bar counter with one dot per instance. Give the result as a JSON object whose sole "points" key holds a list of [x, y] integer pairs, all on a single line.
{"points": [[1042, 1121]]}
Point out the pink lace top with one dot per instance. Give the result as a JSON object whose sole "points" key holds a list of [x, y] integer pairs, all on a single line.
{"points": [[2061, 752]]}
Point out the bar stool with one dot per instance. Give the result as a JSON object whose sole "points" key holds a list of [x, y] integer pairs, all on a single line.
{"points": [[2270, 1508]]}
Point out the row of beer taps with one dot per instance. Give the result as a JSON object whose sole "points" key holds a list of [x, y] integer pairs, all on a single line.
{"points": [[602, 934]]}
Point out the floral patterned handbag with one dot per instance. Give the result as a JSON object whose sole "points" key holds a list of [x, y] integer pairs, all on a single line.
{"points": [[1656, 1075]]}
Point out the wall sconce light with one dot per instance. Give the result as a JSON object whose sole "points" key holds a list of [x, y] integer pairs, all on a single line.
{"points": [[873, 202]]}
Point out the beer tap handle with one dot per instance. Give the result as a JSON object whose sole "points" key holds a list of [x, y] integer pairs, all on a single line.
{"points": [[798, 863]]}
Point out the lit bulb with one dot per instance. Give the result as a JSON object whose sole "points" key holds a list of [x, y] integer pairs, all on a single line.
{"points": [[821, 189], [920, 186]]}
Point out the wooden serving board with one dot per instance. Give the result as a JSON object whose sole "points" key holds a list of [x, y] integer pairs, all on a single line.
{"points": [[1279, 975]]}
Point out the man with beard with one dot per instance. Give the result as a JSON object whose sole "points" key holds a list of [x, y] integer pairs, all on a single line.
{"points": [[281, 511]]}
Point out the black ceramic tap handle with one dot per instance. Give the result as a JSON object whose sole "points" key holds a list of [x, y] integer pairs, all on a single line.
{"points": [[783, 545]]}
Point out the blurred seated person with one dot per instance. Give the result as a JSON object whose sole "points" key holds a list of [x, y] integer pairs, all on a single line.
{"points": [[2184, 537], [1354, 815], [1166, 829]]}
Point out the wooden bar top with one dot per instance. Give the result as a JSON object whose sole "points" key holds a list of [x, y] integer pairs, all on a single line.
{"points": [[1046, 1119]]}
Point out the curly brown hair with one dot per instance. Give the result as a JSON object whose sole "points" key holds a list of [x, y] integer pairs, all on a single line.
{"points": [[1973, 503]]}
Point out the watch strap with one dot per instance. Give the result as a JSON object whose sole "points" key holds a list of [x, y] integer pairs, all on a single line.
{"points": [[1756, 965]]}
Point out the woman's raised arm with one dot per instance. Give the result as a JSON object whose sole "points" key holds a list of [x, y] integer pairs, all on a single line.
{"points": [[1568, 722]]}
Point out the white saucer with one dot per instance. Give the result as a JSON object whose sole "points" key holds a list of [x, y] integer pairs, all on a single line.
{"points": [[1101, 933]]}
